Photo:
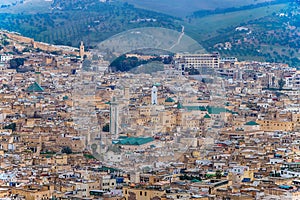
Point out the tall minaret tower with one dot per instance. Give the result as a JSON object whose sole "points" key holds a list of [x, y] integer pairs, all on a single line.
{"points": [[154, 95], [126, 93], [38, 76], [114, 118], [81, 50]]}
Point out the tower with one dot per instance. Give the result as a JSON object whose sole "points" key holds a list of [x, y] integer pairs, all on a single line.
{"points": [[114, 116], [154, 95], [126, 92], [33, 44], [38, 76], [81, 50]]}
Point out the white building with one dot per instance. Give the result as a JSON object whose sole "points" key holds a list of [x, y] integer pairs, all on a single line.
{"points": [[6, 58], [293, 81], [154, 95], [289, 170], [197, 61], [107, 183]]}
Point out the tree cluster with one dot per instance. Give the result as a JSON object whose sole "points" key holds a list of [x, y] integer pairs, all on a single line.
{"points": [[16, 63]]}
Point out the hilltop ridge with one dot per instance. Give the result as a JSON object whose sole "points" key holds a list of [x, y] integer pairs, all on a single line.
{"points": [[271, 29]]}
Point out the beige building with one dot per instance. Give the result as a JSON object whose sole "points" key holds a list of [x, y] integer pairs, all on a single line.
{"points": [[32, 192], [197, 61], [142, 193], [275, 125]]}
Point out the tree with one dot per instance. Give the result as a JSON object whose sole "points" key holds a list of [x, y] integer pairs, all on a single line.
{"points": [[218, 174], [94, 147], [5, 42], [281, 83], [11, 126], [273, 80], [193, 71], [66, 150], [16, 63], [105, 128], [86, 65], [26, 49]]}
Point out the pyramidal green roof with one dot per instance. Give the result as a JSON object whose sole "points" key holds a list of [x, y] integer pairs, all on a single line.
{"points": [[179, 106], [35, 87], [65, 97], [170, 100], [251, 123], [195, 180], [207, 116]]}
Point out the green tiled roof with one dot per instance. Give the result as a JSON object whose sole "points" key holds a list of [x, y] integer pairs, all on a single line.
{"points": [[179, 106], [170, 100], [216, 110], [201, 108], [195, 180], [251, 123], [135, 140], [207, 116], [209, 109], [35, 87]]}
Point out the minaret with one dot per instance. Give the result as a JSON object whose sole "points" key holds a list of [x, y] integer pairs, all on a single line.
{"points": [[38, 76], [114, 116], [154, 95], [126, 93], [81, 50]]}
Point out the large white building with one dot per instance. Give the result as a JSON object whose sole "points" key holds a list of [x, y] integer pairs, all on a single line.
{"points": [[197, 61], [292, 82]]}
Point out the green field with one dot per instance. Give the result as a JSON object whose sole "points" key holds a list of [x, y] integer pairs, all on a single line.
{"points": [[29, 6], [209, 26], [182, 8], [92, 24], [270, 38]]}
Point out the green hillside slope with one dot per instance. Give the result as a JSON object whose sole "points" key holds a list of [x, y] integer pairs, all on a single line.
{"points": [[89, 20], [182, 8], [270, 31]]}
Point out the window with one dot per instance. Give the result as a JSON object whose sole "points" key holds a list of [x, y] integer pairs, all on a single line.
{"points": [[145, 193], [141, 193]]}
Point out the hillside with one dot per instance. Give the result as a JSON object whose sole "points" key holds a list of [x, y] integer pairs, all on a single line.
{"points": [[26, 6], [180, 8], [267, 31], [68, 22]]}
